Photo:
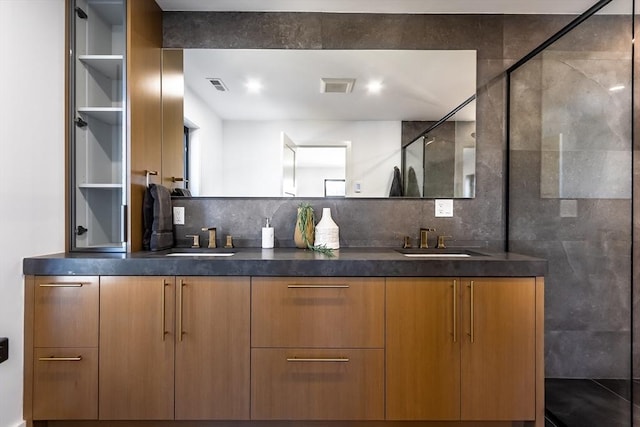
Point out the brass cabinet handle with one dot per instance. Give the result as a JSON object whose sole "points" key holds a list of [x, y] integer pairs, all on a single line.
{"points": [[471, 312], [60, 359], [61, 285], [180, 305], [455, 311], [294, 286], [163, 310], [317, 359]]}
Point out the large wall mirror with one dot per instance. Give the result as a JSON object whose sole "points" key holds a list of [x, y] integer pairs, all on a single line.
{"points": [[314, 123]]}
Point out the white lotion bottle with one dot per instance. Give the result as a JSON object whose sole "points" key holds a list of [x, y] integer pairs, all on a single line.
{"points": [[267, 236], [327, 231]]}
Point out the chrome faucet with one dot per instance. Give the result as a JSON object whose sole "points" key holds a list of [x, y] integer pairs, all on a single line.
{"points": [[212, 236], [424, 237]]}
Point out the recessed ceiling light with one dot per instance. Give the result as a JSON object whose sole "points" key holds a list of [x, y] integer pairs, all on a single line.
{"points": [[254, 86], [616, 88], [374, 86]]}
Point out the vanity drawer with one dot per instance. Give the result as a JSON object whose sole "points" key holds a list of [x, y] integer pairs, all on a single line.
{"points": [[317, 312], [317, 384], [66, 311], [65, 384]]}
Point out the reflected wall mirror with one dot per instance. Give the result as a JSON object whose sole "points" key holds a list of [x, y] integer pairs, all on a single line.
{"points": [[254, 115]]}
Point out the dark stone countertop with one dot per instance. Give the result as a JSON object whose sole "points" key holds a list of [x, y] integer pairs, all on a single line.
{"points": [[353, 262]]}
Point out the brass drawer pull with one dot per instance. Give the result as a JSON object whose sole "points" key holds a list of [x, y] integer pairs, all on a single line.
{"points": [[61, 285], [180, 308], [163, 309], [472, 312], [317, 359], [60, 359], [455, 311], [317, 286]]}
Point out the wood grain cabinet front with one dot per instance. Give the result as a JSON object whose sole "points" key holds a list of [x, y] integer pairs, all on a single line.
{"points": [[65, 347], [65, 385], [317, 312], [317, 348], [174, 348], [212, 348], [137, 347], [317, 384], [464, 349]]}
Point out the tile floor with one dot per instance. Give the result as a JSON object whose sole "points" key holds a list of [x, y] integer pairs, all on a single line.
{"points": [[591, 403]]}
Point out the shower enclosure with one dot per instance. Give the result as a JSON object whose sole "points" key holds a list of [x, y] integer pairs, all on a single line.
{"points": [[441, 161], [570, 187]]}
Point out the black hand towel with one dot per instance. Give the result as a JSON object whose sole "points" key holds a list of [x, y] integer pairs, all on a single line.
{"points": [[396, 184], [158, 218]]}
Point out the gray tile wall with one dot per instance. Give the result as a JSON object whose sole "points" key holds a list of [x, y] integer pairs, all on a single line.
{"points": [[587, 303], [586, 235]]}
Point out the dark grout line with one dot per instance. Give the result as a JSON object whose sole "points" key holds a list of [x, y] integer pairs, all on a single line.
{"points": [[555, 422], [612, 392]]}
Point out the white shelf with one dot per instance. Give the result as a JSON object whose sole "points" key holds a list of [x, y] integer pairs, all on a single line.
{"points": [[107, 65], [101, 186], [109, 115]]}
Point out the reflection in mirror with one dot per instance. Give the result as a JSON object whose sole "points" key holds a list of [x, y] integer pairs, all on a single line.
{"points": [[441, 162], [250, 140]]}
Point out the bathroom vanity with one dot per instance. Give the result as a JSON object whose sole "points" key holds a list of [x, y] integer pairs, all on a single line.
{"points": [[367, 337]]}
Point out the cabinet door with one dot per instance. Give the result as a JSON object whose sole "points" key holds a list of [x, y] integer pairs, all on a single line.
{"points": [[423, 349], [173, 119], [212, 350], [136, 347], [498, 349], [97, 124]]}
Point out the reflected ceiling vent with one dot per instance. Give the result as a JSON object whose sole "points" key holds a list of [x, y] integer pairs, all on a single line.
{"points": [[218, 84], [328, 85]]}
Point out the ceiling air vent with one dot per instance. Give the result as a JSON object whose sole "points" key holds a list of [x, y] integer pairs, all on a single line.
{"points": [[218, 84], [328, 85]]}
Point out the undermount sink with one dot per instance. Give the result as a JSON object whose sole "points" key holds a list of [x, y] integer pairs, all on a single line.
{"points": [[200, 252], [438, 253]]}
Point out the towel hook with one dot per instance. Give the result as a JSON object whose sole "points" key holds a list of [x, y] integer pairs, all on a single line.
{"points": [[148, 173]]}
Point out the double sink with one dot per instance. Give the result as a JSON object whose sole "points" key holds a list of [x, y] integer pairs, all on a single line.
{"points": [[409, 253]]}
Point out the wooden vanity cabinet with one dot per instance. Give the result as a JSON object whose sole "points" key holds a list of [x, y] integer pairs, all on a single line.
{"points": [[317, 349], [65, 347], [463, 349], [446, 350]]}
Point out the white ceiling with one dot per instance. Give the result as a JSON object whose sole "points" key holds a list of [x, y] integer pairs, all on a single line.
{"points": [[395, 6], [416, 84]]}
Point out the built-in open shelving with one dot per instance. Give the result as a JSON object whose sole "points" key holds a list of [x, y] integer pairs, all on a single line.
{"points": [[109, 66], [98, 137]]}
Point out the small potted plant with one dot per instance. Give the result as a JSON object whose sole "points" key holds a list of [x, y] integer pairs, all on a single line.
{"points": [[304, 233]]}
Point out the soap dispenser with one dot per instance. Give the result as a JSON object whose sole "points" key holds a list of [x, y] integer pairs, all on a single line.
{"points": [[267, 235]]}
